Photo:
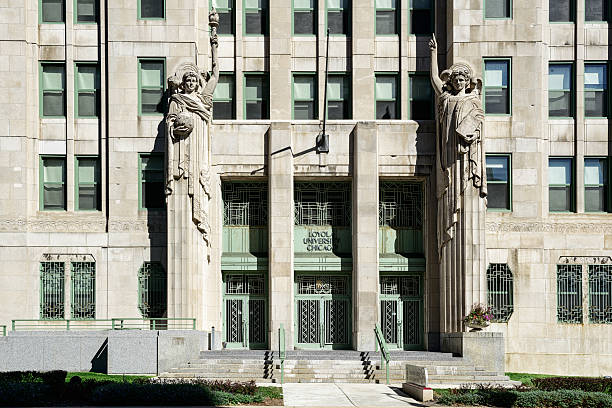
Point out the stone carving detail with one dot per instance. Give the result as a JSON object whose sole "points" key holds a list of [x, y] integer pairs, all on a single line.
{"points": [[188, 133], [534, 226], [595, 260]]}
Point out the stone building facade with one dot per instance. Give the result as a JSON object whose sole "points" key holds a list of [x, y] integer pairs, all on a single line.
{"points": [[324, 244]]}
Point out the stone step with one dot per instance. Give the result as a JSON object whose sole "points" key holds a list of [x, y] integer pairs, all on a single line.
{"points": [[466, 378]]}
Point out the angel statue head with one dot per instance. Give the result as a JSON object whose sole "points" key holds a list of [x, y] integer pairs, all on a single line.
{"points": [[186, 80], [459, 77]]}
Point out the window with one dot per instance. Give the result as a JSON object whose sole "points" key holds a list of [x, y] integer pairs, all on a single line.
{"points": [[152, 290], [498, 180], [338, 12], [560, 84], [596, 10], [595, 184], [497, 86], [596, 90], [52, 290], [569, 293], [386, 17], [560, 194], [386, 96], [86, 11], [561, 11], [255, 17], [223, 98], [600, 293], [338, 96], [151, 73], [304, 17], [304, 96], [256, 96], [52, 89], [53, 183], [421, 16], [83, 290], [226, 16], [500, 292], [421, 97], [87, 180], [52, 11], [87, 83], [151, 182], [498, 8], [151, 9]]}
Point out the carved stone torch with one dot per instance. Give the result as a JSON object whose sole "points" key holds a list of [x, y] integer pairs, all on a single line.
{"points": [[213, 21]]}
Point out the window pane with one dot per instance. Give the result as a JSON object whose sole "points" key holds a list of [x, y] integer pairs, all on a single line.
{"points": [[559, 199], [152, 8], [595, 104], [303, 88], [420, 4], [594, 171], [496, 100], [498, 197], [385, 87], [88, 197], [497, 9], [87, 104], [595, 10], [386, 3], [595, 76], [52, 11], [53, 197], [153, 194], [225, 87], [385, 110], [152, 164], [336, 110], [221, 4], [87, 77], [336, 88], [303, 4], [255, 22], [303, 22], [559, 103], [497, 168], [152, 73], [253, 4], [255, 110], [385, 22], [53, 170], [560, 171], [336, 4], [336, 22], [253, 87], [594, 199], [559, 10], [86, 11], [496, 73], [151, 100], [225, 22], [303, 110], [421, 22], [420, 88], [223, 110], [53, 76], [559, 77], [421, 110], [53, 104], [88, 170]]}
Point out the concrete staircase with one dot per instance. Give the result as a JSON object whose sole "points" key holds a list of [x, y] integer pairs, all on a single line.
{"points": [[341, 366]]}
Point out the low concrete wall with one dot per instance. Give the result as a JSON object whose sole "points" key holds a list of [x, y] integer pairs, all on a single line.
{"points": [[484, 349], [107, 351], [417, 375]]}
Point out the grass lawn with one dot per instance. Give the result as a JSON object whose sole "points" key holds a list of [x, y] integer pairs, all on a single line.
{"points": [[105, 377], [526, 378]]}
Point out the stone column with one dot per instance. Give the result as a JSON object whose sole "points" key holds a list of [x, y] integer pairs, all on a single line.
{"points": [[365, 235], [362, 43], [280, 231]]}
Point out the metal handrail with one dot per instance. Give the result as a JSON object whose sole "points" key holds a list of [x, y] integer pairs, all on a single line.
{"points": [[385, 357], [282, 350], [118, 323], [3, 327]]}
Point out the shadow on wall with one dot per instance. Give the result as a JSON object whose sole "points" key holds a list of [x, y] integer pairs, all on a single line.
{"points": [[99, 363]]}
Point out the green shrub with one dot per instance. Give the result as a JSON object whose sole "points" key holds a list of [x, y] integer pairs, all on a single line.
{"points": [[151, 394], [527, 399], [574, 383], [25, 394], [226, 398], [53, 378]]}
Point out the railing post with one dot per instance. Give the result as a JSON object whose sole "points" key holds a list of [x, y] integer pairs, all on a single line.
{"points": [[154, 323], [194, 323], [67, 324], [13, 325], [212, 338]]}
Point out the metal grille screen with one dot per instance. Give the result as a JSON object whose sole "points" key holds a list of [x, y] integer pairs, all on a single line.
{"points": [[245, 204], [400, 285], [322, 285], [500, 291], [569, 293], [83, 287], [257, 320], [600, 293], [244, 285], [401, 205], [322, 204], [52, 290], [152, 290]]}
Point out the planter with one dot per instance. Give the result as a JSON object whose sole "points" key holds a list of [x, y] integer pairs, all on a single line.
{"points": [[476, 326]]}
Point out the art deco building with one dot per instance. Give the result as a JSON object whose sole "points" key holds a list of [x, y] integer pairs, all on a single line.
{"points": [[326, 244]]}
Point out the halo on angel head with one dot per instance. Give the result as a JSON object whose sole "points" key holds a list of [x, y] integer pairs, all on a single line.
{"points": [[459, 68], [191, 69]]}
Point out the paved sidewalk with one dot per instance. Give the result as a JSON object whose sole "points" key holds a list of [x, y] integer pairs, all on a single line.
{"points": [[346, 395]]}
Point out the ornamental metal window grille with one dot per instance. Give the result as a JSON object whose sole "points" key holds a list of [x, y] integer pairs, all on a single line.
{"points": [[600, 293], [245, 204], [500, 292], [322, 285], [569, 293], [323, 204], [401, 205], [152, 290], [83, 290], [400, 285], [244, 285], [52, 290]]}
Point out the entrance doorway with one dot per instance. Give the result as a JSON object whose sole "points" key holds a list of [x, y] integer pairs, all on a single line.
{"points": [[401, 311], [323, 311], [244, 311]]}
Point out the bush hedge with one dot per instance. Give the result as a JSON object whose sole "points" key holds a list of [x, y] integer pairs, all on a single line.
{"points": [[534, 398], [53, 378], [589, 384], [152, 394]]}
